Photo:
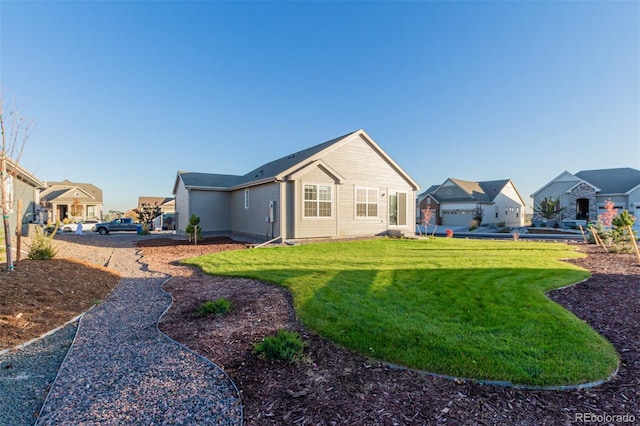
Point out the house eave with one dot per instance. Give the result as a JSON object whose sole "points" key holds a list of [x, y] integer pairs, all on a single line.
{"points": [[205, 188], [253, 183]]}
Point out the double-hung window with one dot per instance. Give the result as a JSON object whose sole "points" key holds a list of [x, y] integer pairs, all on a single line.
{"points": [[366, 202], [318, 200]]}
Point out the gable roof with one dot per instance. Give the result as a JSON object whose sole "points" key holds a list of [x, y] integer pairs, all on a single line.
{"points": [[612, 181], [604, 181], [481, 192], [207, 180], [282, 168], [88, 188], [24, 175], [429, 191], [155, 201]]}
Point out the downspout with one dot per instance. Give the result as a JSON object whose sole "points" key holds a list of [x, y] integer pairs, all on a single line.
{"points": [[283, 210]]}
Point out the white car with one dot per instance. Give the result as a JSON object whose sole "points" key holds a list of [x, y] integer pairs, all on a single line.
{"points": [[73, 227]]}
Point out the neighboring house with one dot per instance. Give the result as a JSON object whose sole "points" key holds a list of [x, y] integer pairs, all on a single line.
{"points": [[167, 206], [582, 195], [72, 201], [344, 187], [455, 200], [24, 187]]}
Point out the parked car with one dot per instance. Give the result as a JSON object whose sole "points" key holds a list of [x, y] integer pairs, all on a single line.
{"points": [[121, 224], [73, 227]]}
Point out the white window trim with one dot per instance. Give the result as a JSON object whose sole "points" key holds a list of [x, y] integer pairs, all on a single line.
{"points": [[367, 203], [317, 185], [396, 193]]}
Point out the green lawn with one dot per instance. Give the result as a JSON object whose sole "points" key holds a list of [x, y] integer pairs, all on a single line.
{"points": [[467, 308]]}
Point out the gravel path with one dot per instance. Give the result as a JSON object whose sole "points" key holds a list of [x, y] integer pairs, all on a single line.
{"points": [[32, 371], [120, 368]]}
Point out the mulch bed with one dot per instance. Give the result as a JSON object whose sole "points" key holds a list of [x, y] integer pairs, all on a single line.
{"points": [[336, 386], [40, 295]]}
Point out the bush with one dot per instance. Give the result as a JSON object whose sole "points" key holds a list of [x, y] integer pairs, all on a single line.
{"points": [[218, 307], [193, 230], [284, 346], [473, 225], [41, 247], [603, 233]]}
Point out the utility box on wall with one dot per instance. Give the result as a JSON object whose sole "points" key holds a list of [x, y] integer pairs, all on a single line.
{"points": [[272, 211]]}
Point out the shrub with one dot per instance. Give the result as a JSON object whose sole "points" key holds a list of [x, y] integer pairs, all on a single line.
{"points": [[41, 247], [603, 233], [193, 230], [218, 307], [284, 346], [449, 233], [473, 225]]}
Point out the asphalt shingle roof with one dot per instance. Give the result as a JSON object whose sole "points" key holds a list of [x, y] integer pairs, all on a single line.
{"points": [[266, 171], [612, 181]]}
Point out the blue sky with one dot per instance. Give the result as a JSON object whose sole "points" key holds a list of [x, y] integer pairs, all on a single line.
{"points": [[125, 94]]}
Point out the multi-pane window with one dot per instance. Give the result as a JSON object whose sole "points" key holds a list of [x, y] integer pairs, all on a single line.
{"points": [[317, 200], [366, 202], [246, 198]]}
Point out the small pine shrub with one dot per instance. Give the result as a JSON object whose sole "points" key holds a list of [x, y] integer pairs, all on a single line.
{"points": [[193, 230], [603, 233], [473, 225], [218, 307], [284, 346], [41, 247]]}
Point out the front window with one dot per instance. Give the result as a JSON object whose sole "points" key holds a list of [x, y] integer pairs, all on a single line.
{"points": [[91, 211], [366, 202], [317, 200]]}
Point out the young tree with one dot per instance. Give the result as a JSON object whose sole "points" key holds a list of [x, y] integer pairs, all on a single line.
{"points": [[147, 213], [15, 131], [76, 207], [478, 214], [427, 215], [549, 208], [193, 229], [610, 213]]}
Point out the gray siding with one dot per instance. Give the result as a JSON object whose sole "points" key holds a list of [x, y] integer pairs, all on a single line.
{"points": [[315, 227], [252, 221], [182, 207], [360, 166], [213, 209], [26, 193], [290, 206]]}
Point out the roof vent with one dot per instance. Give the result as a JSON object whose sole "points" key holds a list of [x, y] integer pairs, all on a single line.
{"points": [[291, 156]]}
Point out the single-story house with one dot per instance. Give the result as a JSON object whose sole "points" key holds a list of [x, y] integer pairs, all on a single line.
{"points": [[167, 208], [453, 202], [583, 195], [344, 187], [24, 187], [69, 200]]}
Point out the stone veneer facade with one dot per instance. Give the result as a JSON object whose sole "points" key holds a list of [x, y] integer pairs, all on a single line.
{"points": [[581, 191]]}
